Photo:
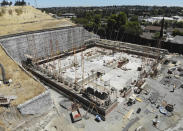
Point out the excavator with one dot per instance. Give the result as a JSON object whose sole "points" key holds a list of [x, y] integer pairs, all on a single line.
{"points": [[3, 74]]}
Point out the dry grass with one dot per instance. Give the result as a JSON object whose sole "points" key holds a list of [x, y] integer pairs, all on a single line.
{"points": [[23, 85], [2, 124], [15, 20], [27, 18]]}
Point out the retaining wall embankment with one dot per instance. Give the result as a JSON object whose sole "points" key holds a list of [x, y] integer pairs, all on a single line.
{"points": [[37, 105], [45, 43]]}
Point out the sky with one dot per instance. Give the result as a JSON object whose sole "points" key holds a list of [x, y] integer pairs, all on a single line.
{"points": [[64, 3]]}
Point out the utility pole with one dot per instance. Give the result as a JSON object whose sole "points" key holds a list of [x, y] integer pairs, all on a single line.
{"points": [[160, 39], [161, 33], [35, 2]]}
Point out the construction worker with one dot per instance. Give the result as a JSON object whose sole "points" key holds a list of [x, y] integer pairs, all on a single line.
{"points": [[155, 121], [173, 88]]}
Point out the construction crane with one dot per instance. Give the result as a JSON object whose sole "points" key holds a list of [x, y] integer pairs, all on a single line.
{"points": [[75, 64], [161, 33], [52, 54], [160, 37], [35, 2], [85, 116], [35, 49], [82, 66], [51, 48], [59, 60], [91, 107], [154, 68], [47, 54]]}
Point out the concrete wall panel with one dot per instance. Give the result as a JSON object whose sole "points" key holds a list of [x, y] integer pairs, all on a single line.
{"points": [[45, 43], [37, 105]]}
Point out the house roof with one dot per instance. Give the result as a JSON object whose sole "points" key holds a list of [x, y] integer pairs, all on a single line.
{"points": [[154, 28], [172, 29], [68, 14]]}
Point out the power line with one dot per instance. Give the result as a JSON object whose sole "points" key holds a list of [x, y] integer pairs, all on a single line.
{"points": [[35, 3]]}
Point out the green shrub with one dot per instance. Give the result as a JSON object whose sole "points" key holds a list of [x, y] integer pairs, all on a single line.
{"points": [[18, 11], [156, 35], [10, 12], [3, 11], [1, 14]]}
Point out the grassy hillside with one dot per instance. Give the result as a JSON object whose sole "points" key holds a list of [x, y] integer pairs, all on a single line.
{"points": [[22, 83], [18, 19]]}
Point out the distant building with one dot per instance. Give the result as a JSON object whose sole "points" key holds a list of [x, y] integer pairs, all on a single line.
{"points": [[178, 18], [158, 19], [170, 30], [149, 31], [54, 15], [68, 15], [51, 14], [152, 29], [140, 18], [177, 39]]}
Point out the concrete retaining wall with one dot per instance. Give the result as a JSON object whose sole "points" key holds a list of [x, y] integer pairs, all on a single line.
{"points": [[130, 46], [37, 105], [42, 44]]}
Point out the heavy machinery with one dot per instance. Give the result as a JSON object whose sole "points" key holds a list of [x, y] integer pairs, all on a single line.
{"points": [[75, 116], [169, 107], [131, 100], [75, 113]]}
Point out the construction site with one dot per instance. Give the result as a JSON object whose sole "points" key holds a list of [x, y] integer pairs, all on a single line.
{"points": [[94, 74], [82, 82]]}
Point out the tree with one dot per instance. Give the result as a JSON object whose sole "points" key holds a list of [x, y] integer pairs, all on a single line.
{"points": [[111, 26], [20, 3], [111, 22], [10, 3], [179, 24], [23, 3], [97, 19], [133, 28], [134, 18], [115, 22], [82, 21], [90, 26], [101, 31], [156, 35], [4, 3], [177, 32], [122, 18]]}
